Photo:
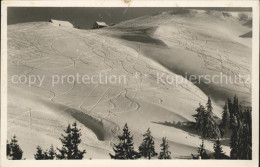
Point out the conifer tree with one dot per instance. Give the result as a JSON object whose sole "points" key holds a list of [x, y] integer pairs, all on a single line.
{"points": [[70, 143], [199, 118], [245, 137], [8, 149], [241, 137], [165, 153], [202, 152], [245, 144], [146, 149], [232, 117], [218, 154], [209, 106], [14, 152], [225, 117], [205, 123], [234, 144], [212, 129], [125, 148], [45, 155], [40, 154], [50, 154]]}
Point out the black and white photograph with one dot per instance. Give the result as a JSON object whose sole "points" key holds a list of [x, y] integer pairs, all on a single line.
{"points": [[129, 82]]}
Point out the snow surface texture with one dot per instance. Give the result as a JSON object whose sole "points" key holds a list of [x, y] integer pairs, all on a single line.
{"points": [[199, 42]]}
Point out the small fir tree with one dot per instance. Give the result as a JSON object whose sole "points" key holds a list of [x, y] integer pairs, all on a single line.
{"points": [[146, 149], [202, 152], [40, 154], [218, 152], [51, 153], [165, 153], [70, 143], [125, 148], [14, 152]]}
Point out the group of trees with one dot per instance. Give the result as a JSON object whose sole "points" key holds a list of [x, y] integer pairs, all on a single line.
{"points": [[218, 152], [236, 119], [205, 123], [125, 148], [69, 150], [48, 154], [13, 150], [71, 140]]}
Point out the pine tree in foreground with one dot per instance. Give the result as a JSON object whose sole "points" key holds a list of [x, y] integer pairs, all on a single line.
{"points": [[44, 155], [50, 154], [218, 154], [39, 154], [70, 143], [225, 120], [245, 144], [202, 152], [245, 135], [146, 148], [14, 152], [165, 153], [241, 126], [199, 118], [125, 148], [205, 123], [234, 142], [211, 127], [8, 149]]}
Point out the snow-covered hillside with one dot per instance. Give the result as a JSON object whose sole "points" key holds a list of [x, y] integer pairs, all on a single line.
{"points": [[193, 42]]}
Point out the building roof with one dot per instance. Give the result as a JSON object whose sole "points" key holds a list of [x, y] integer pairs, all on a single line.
{"points": [[101, 23], [61, 23]]}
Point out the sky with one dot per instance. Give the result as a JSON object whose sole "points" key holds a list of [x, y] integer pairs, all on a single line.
{"points": [[84, 17]]}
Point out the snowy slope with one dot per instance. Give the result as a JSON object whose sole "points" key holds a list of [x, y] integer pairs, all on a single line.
{"points": [[38, 114]]}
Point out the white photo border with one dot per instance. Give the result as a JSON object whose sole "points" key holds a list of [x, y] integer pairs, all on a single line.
{"points": [[134, 3]]}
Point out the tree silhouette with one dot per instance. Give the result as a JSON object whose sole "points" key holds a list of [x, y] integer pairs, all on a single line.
{"points": [[146, 149], [199, 118], [205, 123], [44, 155], [241, 127], [40, 155], [70, 143], [209, 106], [225, 120], [14, 152], [202, 152], [244, 143], [246, 135], [165, 153], [211, 127], [218, 154], [8, 149], [125, 148], [50, 154]]}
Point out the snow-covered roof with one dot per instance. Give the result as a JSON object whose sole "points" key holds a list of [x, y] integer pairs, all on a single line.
{"points": [[61, 23], [101, 23]]}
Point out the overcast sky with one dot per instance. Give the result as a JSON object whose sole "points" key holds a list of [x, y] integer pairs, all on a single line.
{"points": [[83, 17]]}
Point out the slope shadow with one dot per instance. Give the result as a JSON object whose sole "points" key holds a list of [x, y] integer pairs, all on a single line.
{"points": [[248, 23], [142, 35], [185, 126], [143, 39], [246, 35]]}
